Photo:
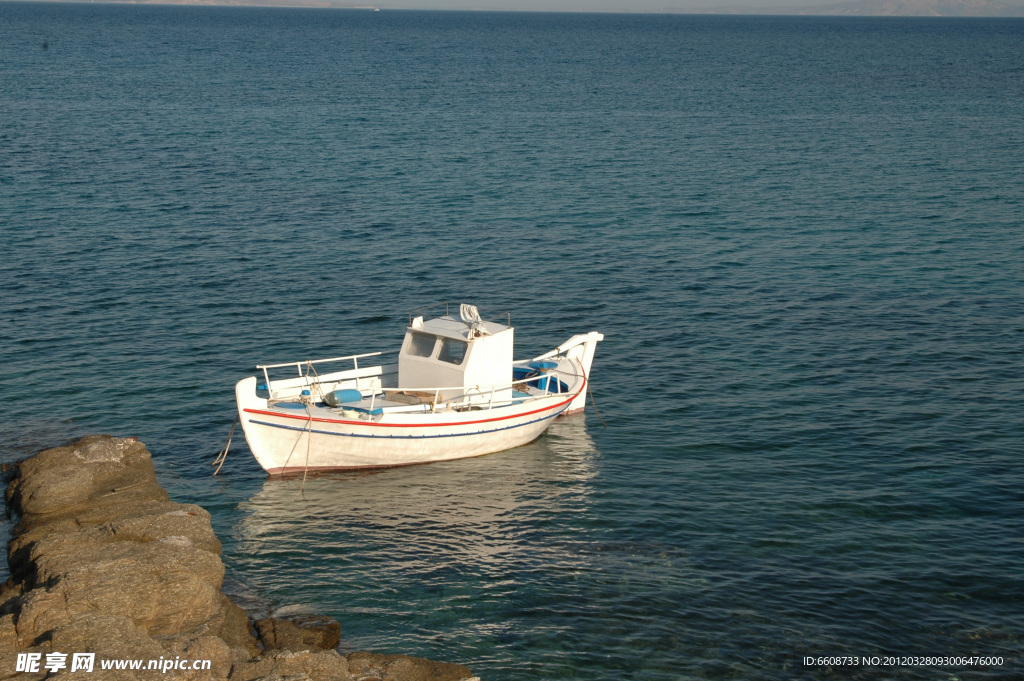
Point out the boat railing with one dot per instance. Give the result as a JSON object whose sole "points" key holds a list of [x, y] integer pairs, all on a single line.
{"points": [[310, 374], [488, 393], [464, 396]]}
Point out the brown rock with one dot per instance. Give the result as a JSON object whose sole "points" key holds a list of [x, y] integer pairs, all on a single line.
{"points": [[317, 665], [98, 535], [165, 586], [110, 637], [152, 521], [299, 633], [102, 562], [199, 648], [235, 629], [98, 469], [10, 596], [376, 667], [8, 633]]}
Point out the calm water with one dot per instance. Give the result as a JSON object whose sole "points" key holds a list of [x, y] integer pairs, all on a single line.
{"points": [[802, 237]]}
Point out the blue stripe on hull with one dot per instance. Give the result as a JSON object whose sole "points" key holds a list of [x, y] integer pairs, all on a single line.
{"points": [[403, 437]]}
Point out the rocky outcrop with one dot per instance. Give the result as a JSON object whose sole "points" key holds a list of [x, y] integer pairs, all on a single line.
{"points": [[103, 562], [299, 633]]}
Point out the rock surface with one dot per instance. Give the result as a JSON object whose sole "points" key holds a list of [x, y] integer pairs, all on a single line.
{"points": [[103, 562], [299, 633]]}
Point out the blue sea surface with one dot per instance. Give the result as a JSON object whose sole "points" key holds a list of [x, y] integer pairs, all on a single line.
{"points": [[802, 237]]}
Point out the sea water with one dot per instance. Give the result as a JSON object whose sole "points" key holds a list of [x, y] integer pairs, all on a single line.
{"points": [[802, 237]]}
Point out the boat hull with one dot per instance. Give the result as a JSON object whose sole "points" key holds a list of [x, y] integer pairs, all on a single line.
{"points": [[310, 440]]}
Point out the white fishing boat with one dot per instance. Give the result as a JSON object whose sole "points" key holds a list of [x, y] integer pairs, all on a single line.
{"points": [[454, 392]]}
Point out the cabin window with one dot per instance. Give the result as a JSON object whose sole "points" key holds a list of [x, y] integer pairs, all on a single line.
{"points": [[421, 344], [452, 351]]}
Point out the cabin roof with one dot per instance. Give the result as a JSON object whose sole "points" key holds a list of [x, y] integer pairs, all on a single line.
{"points": [[449, 327]]}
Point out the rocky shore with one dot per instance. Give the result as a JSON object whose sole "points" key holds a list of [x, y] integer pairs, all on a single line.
{"points": [[102, 562]]}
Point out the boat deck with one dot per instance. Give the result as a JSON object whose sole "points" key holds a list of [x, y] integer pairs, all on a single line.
{"points": [[364, 406], [380, 405]]}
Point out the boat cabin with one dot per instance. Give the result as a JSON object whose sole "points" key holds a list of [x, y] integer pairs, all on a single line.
{"points": [[469, 357]]}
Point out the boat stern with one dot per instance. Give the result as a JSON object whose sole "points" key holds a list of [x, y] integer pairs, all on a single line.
{"points": [[579, 351], [584, 354]]}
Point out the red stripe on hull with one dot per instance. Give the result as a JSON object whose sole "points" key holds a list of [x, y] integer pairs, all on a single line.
{"points": [[306, 419]]}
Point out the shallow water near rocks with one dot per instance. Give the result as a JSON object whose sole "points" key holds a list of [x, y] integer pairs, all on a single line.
{"points": [[801, 237]]}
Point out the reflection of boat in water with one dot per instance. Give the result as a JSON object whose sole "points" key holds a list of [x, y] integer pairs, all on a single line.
{"points": [[395, 414], [477, 491], [371, 543]]}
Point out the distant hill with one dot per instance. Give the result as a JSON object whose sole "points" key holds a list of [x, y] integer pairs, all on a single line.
{"points": [[885, 8], [315, 4], [865, 8]]}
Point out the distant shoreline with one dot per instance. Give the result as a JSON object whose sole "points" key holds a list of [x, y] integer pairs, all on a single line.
{"points": [[854, 8]]}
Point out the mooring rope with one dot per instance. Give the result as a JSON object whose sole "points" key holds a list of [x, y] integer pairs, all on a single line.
{"points": [[590, 392], [309, 436], [310, 367], [223, 456]]}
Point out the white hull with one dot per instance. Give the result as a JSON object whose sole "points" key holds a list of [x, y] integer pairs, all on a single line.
{"points": [[313, 439]]}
